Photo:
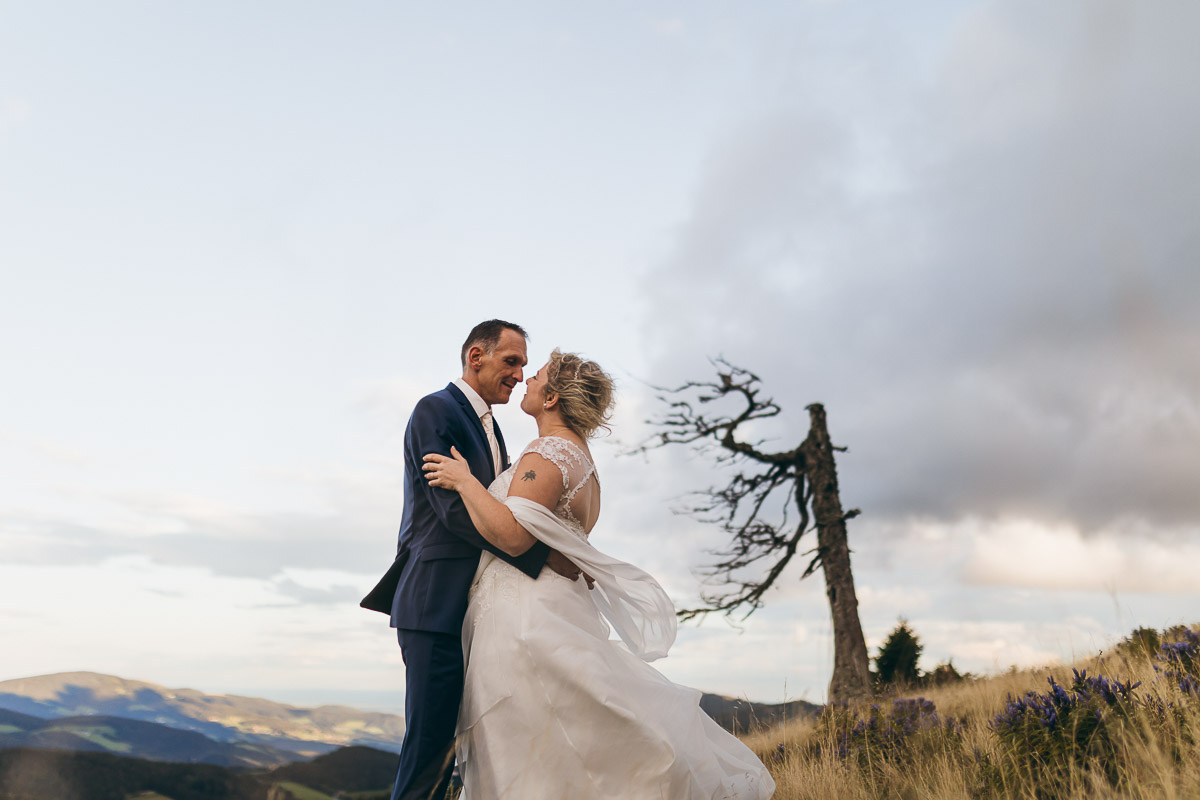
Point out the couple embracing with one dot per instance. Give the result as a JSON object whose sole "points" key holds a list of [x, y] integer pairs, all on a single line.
{"points": [[507, 652]]}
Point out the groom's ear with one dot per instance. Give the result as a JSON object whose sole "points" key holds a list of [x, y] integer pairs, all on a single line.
{"points": [[475, 356]]}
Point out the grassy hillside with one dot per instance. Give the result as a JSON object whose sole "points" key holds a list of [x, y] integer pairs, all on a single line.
{"points": [[1122, 725], [31, 774], [296, 791], [64, 775], [350, 769]]}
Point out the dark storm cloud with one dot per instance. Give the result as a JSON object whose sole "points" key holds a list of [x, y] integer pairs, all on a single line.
{"points": [[983, 263]]}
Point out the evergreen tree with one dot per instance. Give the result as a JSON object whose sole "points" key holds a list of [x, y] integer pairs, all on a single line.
{"points": [[897, 659]]}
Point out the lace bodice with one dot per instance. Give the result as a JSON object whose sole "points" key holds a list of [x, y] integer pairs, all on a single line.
{"points": [[576, 468]]}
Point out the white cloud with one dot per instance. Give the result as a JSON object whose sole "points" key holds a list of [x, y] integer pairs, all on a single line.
{"points": [[387, 403], [185, 626], [900, 600], [669, 27], [717, 658], [42, 448], [1033, 555], [992, 646], [14, 112]]}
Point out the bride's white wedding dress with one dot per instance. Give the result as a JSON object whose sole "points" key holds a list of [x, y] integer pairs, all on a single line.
{"points": [[552, 707]]}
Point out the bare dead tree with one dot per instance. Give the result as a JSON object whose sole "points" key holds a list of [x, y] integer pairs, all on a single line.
{"points": [[770, 503]]}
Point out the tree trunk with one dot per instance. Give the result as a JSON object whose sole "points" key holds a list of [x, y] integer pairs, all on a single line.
{"points": [[851, 667]]}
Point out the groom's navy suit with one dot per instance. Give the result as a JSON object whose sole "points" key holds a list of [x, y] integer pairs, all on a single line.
{"points": [[439, 548]]}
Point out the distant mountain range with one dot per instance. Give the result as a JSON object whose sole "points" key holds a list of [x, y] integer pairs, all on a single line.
{"points": [[270, 726], [132, 737]]}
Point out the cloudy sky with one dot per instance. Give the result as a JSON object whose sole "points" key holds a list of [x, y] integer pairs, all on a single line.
{"points": [[239, 241]]}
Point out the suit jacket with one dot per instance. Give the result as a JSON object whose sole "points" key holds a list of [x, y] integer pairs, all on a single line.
{"points": [[439, 548]]}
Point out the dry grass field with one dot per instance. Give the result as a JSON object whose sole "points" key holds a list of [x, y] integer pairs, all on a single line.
{"points": [[1095, 734]]}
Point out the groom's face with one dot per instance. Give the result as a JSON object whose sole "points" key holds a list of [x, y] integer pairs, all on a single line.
{"points": [[501, 370]]}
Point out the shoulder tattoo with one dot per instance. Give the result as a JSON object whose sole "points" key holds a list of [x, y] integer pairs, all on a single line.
{"points": [[529, 476]]}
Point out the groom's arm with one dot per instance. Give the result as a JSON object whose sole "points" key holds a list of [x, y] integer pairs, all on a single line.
{"points": [[432, 430]]}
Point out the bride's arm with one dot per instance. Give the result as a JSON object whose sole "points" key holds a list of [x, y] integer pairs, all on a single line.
{"points": [[535, 479]]}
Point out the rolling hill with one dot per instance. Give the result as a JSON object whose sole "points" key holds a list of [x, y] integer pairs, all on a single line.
{"points": [[350, 769], [62, 775], [28, 774], [131, 737], [740, 716], [304, 732]]}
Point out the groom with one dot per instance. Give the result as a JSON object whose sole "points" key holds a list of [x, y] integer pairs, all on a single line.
{"points": [[439, 549]]}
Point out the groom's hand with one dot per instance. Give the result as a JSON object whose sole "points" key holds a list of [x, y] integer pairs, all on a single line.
{"points": [[563, 565]]}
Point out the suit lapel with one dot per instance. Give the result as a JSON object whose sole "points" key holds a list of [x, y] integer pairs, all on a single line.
{"points": [[476, 427]]}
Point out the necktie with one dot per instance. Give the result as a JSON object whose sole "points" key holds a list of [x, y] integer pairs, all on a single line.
{"points": [[490, 429]]}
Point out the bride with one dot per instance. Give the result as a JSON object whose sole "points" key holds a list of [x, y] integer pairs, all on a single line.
{"points": [[552, 708]]}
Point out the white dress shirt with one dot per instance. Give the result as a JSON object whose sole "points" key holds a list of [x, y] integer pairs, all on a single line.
{"points": [[482, 409]]}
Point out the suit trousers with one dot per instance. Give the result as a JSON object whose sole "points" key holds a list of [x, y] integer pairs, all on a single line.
{"points": [[433, 691]]}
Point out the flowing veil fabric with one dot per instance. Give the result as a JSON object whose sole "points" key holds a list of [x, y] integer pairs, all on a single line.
{"points": [[636, 606], [554, 708]]}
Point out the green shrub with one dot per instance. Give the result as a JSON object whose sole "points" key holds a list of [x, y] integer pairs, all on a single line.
{"points": [[1142, 642]]}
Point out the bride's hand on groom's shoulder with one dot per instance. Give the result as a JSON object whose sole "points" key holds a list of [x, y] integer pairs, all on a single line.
{"points": [[446, 472]]}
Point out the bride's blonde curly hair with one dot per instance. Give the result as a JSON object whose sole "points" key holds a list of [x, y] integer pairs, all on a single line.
{"points": [[585, 392]]}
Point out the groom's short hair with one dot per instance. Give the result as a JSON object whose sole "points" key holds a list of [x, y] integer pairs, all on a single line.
{"points": [[487, 336]]}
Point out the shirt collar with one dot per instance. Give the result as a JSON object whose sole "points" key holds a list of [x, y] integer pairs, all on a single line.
{"points": [[473, 397]]}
